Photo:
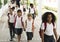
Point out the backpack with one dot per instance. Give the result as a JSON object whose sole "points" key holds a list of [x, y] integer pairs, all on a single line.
{"points": [[45, 25], [21, 21]]}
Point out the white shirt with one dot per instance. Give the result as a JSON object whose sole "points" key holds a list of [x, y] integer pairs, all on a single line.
{"points": [[29, 26], [49, 29], [18, 22], [19, 8], [31, 10], [12, 5], [12, 18]]}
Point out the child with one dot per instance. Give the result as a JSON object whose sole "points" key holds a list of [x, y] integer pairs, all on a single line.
{"points": [[18, 2], [19, 25], [48, 27], [11, 18], [32, 10], [12, 3], [29, 27]]}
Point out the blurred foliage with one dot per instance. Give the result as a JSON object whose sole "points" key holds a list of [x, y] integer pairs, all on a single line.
{"points": [[50, 8], [0, 4], [5, 1]]}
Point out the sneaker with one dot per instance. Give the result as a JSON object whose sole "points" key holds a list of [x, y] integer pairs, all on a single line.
{"points": [[11, 40]]}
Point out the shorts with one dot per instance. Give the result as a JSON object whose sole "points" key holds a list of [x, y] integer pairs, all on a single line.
{"points": [[33, 16], [29, 35], [48, 38], [18, 31]]}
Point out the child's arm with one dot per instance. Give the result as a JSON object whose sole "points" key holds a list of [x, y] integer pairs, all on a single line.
{"points": [[26, 24], [8, 19], [23, 24], [55, 33], [54, 30], [33, 26], [42, 32], [42, 35]]}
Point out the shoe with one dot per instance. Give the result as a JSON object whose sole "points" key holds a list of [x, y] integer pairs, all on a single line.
{"points": [[11, 40]]}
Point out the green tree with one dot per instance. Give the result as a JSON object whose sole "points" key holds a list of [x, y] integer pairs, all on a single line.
{"points": [[0, 4], [5, 1]]}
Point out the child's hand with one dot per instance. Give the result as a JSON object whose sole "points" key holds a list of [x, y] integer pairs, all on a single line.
{"points": [[24, 29]]}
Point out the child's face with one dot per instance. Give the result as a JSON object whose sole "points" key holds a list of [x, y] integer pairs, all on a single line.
{"points": [[49, 18], [10, 11], [29, 17], [31, 6], [19, 13]]}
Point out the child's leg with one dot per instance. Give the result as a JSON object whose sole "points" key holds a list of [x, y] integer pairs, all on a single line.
{"points": [[28, 40], [19, 32], [13, 31], [10, 28], [29, 36], [19, 37]]}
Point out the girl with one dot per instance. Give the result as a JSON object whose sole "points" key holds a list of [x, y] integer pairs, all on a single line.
{"points": [[19, 25], [48, 27], [29, 27]]}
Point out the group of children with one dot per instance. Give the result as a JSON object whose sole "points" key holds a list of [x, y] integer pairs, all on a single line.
{"points": [[17, 24]]}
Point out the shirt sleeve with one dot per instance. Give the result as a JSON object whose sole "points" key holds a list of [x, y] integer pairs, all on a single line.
{"points": [[42, 26]]}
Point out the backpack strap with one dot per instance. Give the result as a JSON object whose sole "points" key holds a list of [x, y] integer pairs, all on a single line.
{"points": [[22, 21], [45, 25]]}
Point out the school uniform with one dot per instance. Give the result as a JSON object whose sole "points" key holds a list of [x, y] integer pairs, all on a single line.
{"points": [[11, 25], [19, 8], [29, 30], [32, 11], [18, 25], [48, 34]]}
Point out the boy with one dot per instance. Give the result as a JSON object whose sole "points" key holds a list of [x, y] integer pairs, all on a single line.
{"points": [[19, 25], [11, 18], [32, 10], [29, 25]]}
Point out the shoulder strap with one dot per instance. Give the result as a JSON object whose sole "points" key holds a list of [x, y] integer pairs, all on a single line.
{"points": [[45, 24], [53, 23]]}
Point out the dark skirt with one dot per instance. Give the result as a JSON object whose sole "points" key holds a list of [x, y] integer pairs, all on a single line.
{"points": [[48, 38]]}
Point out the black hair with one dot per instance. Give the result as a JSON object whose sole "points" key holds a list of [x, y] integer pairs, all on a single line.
{"points": [[19, 11], [45, 16], [24, 9], [13, 8], [13, 1], [31, 4]]}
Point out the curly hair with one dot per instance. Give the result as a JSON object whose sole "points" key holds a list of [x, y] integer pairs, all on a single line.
{"points": [[45, 16]]}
